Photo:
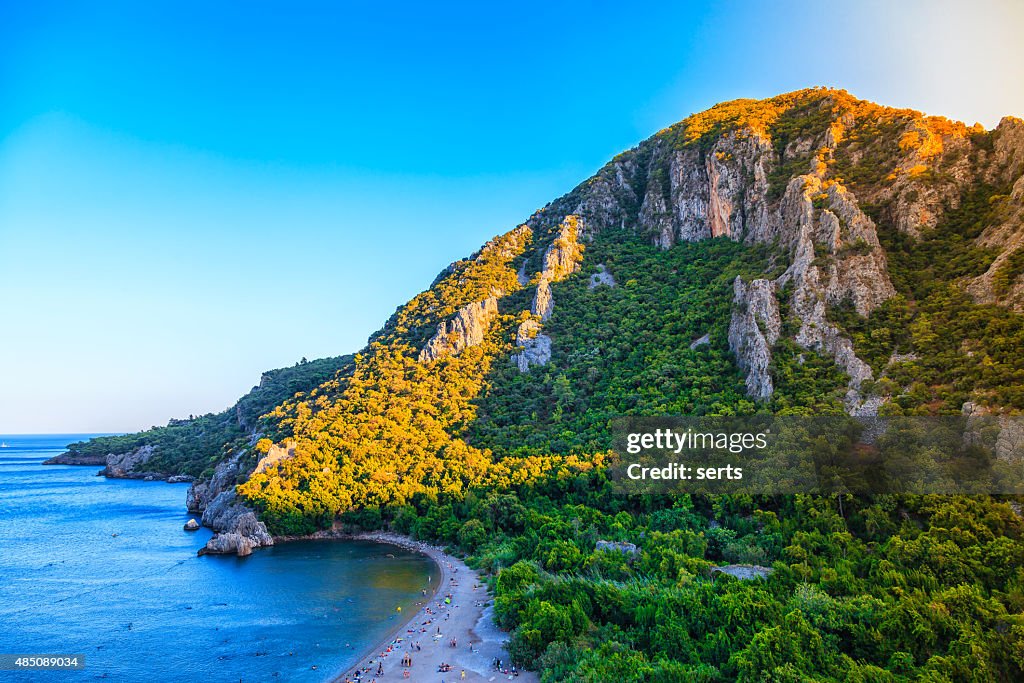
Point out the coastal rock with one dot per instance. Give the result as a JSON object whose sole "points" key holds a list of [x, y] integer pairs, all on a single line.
{"points": [[467, 328], [228, 544], [753, 331], [73, 459], [127, 465], [191, 525], [224, 478], [238, 529], [536, 346]]}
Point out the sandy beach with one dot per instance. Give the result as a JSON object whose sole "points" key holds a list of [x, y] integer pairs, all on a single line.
{"points": [[453, 627]]}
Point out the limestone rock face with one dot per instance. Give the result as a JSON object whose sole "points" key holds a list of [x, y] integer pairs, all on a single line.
{"points": [[228, 544], [274, 456], [543, 301], [562, 258], [536, 346], [741, 183], [851, 267], [225, 475], [753, 330], [565, 254], [236, 526], [1007, 236], [467, 328]]}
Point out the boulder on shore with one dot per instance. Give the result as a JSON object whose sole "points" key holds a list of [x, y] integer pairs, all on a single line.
{"points": [[228, 544], [191, 525]]}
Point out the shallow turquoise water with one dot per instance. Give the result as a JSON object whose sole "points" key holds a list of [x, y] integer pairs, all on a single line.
{"points": [[103, 568]]}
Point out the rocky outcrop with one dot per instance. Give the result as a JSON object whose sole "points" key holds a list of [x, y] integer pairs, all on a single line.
{"points": [[467, 328], [191, 525], [700, 341], [76, 459], [225, 476], [837, 258], [536, 346], [618, 547], [507, 246], [543, 302], [275, 456], [565, 254], [562, 258], [131, 465], [470, 324], [1003, 282], [238, 529], [744, 572], [601, 278], [753, 331]]}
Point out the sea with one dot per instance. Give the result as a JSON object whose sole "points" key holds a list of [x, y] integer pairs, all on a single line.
{"points": [[103, 569]]}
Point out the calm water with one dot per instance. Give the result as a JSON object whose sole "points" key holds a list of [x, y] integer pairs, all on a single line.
{"points": [[102, 567]]}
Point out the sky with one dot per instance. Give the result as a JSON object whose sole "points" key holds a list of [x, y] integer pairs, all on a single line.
{"points": [[194, 192]]}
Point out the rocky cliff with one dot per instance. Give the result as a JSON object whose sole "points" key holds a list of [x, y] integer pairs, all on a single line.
{"points": [[797, 171]]}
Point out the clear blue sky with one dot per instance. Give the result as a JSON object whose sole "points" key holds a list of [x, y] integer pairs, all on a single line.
{"points": [[193, 192]]}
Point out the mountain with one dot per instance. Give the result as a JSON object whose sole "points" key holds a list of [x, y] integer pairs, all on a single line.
{"points": [[807, 254]]}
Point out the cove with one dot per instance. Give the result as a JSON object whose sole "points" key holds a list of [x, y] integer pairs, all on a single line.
{"points": [[103, 568]]}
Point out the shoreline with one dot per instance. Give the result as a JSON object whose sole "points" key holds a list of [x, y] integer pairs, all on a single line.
{"points": [[459, 608], [385, 538]]}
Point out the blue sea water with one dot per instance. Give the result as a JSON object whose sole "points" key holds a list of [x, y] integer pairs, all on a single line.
{"points": [[103, 568]]}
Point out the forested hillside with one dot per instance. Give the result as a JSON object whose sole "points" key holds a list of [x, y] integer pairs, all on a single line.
{"points": [[192, 447], [808, 254]]}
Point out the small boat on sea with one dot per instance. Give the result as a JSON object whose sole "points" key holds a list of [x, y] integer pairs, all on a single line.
{"points": [[3, 444]]}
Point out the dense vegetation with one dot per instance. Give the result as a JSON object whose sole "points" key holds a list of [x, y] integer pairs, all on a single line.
{"points": [[949, 348], [510, 467], [195, 445], [889, 588]]}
